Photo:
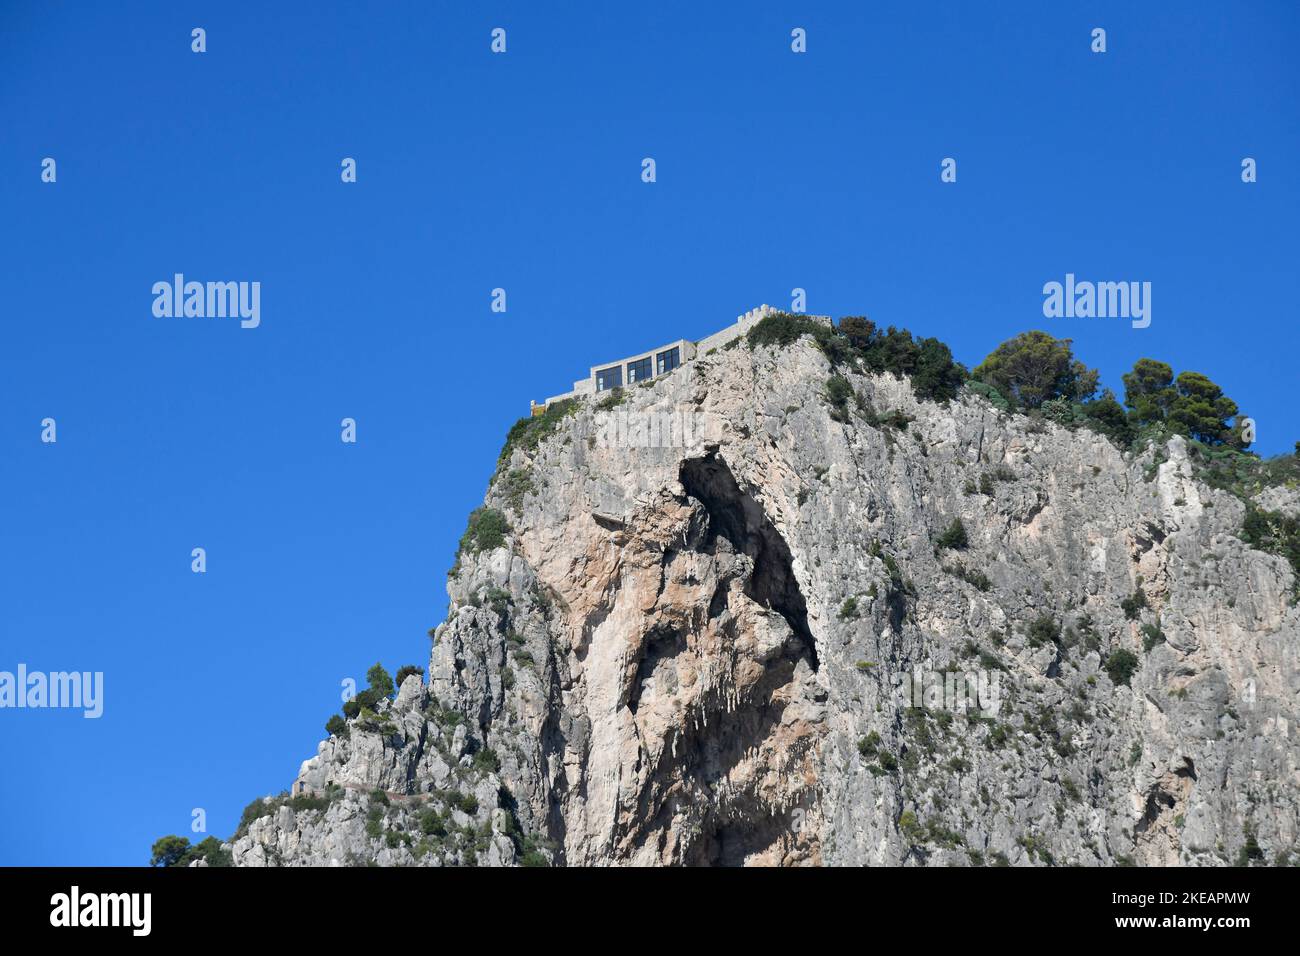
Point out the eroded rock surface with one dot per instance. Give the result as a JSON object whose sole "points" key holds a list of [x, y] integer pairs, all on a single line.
{"points": [[693, 654]]}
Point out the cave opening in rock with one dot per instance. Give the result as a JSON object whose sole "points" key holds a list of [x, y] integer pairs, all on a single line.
{"points": [[737, 517]]}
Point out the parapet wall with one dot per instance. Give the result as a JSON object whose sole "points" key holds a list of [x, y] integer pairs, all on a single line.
{"points": [[743, 324]]}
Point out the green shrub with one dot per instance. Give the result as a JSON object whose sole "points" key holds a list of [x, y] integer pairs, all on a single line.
{"points": [[308, 801], [467, 803], [514, 485], [1088, 633], [1036, 847], [432, 823], [849, 609], [210, 850], [1275, 533], [528, 433], [1134, 603], [444, 717], [937, 377], [1250, 850], [405, 671], [976, 579], [910, 827], [895, 419], [366, 700], [500, 599], [869, 744], [486, 760], [1060, 410], [485, 531], [336, 726], [1106, 416], [954, 536], [988, 392], [381, 683], [254, 811], [1045, 629], [169, 851], [781, 329], [176, 851], [1121, 666], [1238, 472], [898, 585], [926, 363], [838, 391], [1151, 636]]}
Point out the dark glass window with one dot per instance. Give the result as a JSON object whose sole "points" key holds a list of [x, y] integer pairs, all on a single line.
{"points": [[607, 378], [669, 360], [639, 371]]}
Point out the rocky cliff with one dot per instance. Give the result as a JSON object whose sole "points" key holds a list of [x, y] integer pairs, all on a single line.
{"points": [[735, 619]]}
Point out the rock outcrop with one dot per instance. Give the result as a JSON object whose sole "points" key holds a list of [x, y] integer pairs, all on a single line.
{"points": [[739, 641]]}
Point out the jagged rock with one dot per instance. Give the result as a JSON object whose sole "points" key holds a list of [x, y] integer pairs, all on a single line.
{"points": [[701, 653]]}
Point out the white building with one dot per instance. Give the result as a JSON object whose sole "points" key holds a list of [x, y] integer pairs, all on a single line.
{"points": [[648, 365]]}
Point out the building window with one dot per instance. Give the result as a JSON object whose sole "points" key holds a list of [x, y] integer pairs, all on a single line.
{"points": [[669, 360], [607, 378], [639, 371]]}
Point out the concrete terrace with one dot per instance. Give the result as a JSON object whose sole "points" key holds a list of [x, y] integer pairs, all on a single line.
{"points": [[651, 364]]}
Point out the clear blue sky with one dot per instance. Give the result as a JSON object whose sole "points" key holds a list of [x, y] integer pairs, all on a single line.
{"points": [[775, 170]]}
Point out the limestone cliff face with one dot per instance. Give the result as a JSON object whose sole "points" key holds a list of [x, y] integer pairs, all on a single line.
{"points": [[706, 653]]}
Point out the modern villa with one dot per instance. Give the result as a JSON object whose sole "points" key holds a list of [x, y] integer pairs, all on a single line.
{"points": [[649, 365]]}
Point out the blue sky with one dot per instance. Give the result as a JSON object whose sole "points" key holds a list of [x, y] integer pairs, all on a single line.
{"points": [[521, 171]]}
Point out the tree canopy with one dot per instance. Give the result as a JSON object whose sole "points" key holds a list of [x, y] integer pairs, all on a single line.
{"points": [[169, 851], [1034, 368], [380, 681], [1190, 404], [1201, 409], [176, 851], [1148, 392], [927, 362]]}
